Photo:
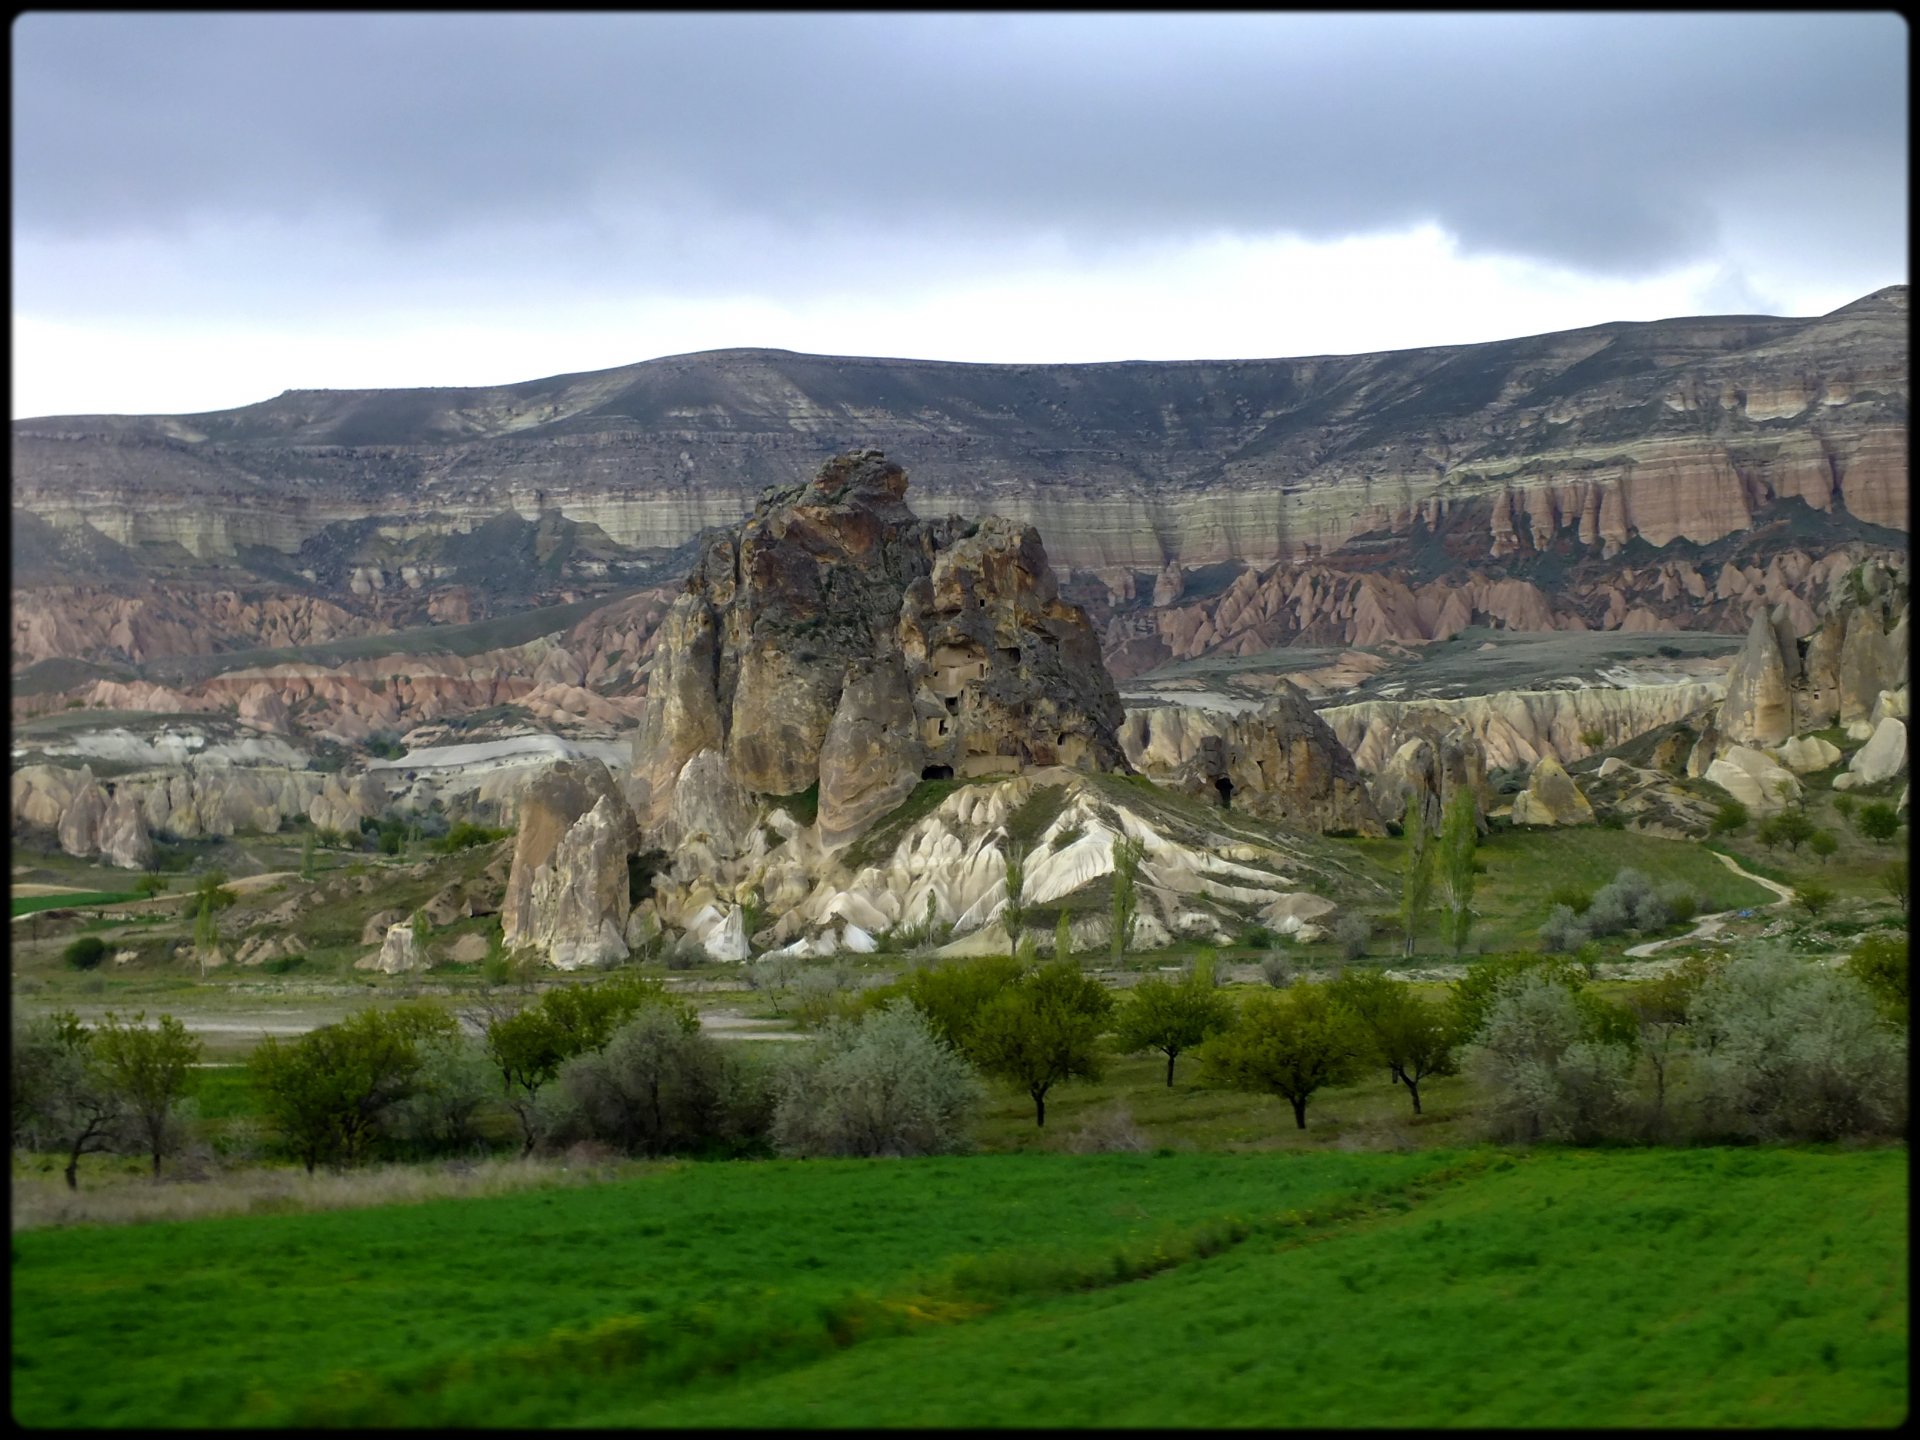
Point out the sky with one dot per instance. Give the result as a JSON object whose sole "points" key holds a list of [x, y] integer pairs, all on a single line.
{"points": [[209, 209]]}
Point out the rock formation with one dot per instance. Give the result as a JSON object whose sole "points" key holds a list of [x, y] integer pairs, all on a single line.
{"points": [[1758, 709], [1430, 771], [568, 892], [1551, 798], [1281, 762], [838, 641], [1754, 779]]}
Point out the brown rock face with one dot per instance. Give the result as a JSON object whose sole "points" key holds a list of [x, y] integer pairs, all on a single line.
{"points": [[838, 640], [566, 887], [1280, 761], [1430, 769]]}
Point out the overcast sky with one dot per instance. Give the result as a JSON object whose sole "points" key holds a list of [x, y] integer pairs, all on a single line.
{"points": [[209, 209]]}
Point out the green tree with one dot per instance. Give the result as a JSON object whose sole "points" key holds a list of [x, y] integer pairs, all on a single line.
{"points": [[1844, 804], [210, 897], [1729, 819], [886, 1085], [1893, 880], [952, 994], [1822, 843], [529, 1046], [1015, 911], [326, 1092], [306, 856], [1171, 1017], [1062, 937], [151, 1070], [151, 884], [1459, 837], [1813, 897], [1471, 996], [84, 952], [1662, 1010], [1878, 821], [1793, 828], [1127, 855], [1409, 1036], [1291, 1043], [1416, 871], [1880, 963], [1043, 1029], [61, 1100], [1551, 1064]]}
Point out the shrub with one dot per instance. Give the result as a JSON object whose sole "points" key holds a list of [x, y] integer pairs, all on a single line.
{"points": [[1562, 931], [465, 835], [1351, 933], [661, 1085], [1548, 1070], [85, 952], [456, 1081], [1627, 902], [1813, 897], [1823, 844], [1110, 1131], [1844, 804], [822, 992], [1682, 903], [1893, 880], [1276, 969], [1795, 1050], [1593, 739], [885, 1085], [1576, 898]]}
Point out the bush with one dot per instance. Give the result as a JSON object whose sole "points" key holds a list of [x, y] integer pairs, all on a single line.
{"points": [[85, 952], [1562, 931], [1110, 1131], [1627, 902], [1823, 844], [886, 1085], [1682, 903], [455, 1084], [466, 835], [1277, 970], [661, 1085], [1794, 1050], [1351, 933], [1576, 898], [1548, 1070]]}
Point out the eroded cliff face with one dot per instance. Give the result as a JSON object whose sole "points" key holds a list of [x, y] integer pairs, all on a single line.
{"points": [[837, 640], [404, 507]]}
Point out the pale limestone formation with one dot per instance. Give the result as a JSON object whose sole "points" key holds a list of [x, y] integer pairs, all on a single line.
{"points": [[580, 898], [567, 793], [871, 757], [1430, 771], [1551, 798], [1516, 727], [1758, 709], [1804, 754], [122, 835], [1753, 778], [401, 952], [1883, 756]]}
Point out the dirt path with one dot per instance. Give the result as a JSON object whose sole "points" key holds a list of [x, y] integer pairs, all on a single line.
{"points": [[1708, 926]]}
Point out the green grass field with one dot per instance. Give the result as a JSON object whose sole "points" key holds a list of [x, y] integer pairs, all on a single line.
{"points": [[30, 904], [1704, 1287]]}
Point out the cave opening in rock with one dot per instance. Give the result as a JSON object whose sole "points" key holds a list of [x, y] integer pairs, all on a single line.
{"points": [[937, 772], [1225, 787]]}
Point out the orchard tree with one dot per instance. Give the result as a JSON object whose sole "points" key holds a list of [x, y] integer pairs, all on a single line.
{"points": [[1893, 881], [1411, 1037], [1291, 1043], [326, 1092], [151, 1070], [1172, 1017], [1878, 821], [1043, 1029], [61, 1100]]}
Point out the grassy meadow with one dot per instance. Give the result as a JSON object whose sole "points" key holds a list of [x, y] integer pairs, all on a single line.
{"points": [[1438, 1288]]}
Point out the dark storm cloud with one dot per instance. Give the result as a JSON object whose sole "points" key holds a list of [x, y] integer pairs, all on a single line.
{"points": [[1602, 142]]}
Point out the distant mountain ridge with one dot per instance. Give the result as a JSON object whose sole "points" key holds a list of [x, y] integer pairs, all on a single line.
{"points": [[1514, 458]]}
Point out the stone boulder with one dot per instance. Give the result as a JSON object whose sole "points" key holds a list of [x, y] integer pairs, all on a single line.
{"points": [[449, 904], [468, 950], [569, 893], [378, 923], [1551, 798], [1883, 756], [401, 952], [1804, 754], [1753, 778]]}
